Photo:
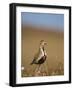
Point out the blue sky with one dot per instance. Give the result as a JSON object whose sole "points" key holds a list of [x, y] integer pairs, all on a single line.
{"points": [[43, 19]]}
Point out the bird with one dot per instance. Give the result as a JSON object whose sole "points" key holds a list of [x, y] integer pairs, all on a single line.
{"points": [[41, 55]]}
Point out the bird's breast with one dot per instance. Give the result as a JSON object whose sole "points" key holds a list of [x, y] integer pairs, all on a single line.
{"points": [[42, 52]]}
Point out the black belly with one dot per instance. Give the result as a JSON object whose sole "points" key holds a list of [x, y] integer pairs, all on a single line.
{"points": [[42, 60]]}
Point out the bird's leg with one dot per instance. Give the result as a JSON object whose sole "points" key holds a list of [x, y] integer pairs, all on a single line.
{"points": [[38, 67]]}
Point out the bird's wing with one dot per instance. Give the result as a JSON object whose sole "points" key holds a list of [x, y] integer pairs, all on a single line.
{"points": [[38, 56], [35, 58]]}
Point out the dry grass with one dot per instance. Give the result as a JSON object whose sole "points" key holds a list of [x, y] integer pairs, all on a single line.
{"points": [[39, 71]]}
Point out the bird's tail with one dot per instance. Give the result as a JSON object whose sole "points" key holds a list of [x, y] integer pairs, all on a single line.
{"points": [[32, 62]]}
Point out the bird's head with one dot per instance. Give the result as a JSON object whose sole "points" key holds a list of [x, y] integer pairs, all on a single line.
{"points": [[42, 43]]}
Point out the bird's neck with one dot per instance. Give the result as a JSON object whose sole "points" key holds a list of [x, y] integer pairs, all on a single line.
{"points": [[42, 48]]}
